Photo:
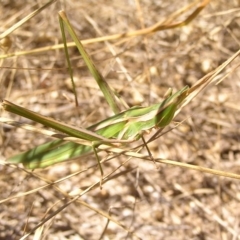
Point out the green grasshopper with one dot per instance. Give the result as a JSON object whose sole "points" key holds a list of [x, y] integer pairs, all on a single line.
{"points": [[122, 128]]}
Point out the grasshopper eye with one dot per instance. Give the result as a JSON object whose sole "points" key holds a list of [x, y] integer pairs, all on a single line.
{"points": [[168, 93]]}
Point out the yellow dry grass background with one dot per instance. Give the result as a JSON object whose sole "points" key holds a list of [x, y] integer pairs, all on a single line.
{"points": [[146, 202]]}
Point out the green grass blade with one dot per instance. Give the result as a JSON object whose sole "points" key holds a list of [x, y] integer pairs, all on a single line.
{"points": [[107, 92], [70, 71]]}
